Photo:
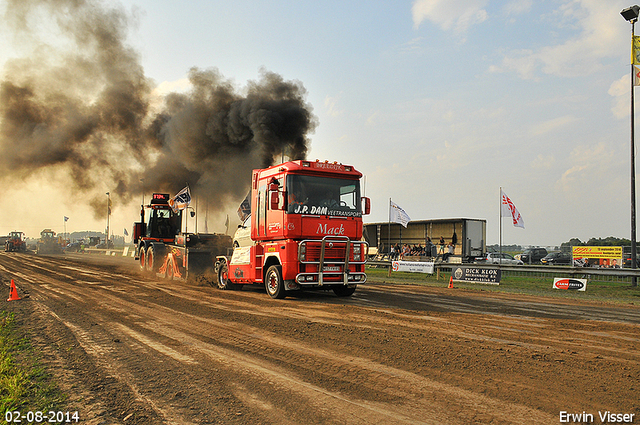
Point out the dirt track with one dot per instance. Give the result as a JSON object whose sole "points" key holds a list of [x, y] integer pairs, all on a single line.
{"points": [[131, 349]]}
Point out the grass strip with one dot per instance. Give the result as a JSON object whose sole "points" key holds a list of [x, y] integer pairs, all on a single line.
{"points": [[617, 292], [24, 384]]}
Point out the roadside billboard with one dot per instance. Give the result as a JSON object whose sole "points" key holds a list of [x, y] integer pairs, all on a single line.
{"points": [[570, 284], [413, 266], [607, 256], [477, 275]]}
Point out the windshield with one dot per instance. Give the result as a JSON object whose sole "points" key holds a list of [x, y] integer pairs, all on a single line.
{"points": [[323, 196], [163, 222]]}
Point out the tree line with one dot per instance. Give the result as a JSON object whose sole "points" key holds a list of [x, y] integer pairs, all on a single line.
{"points": [[608, 241]]}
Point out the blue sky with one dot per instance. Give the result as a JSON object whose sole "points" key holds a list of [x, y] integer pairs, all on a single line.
{"points": [[438, 102]]}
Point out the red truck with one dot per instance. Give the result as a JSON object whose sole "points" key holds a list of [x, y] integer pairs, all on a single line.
{"points": [[304, 231]]}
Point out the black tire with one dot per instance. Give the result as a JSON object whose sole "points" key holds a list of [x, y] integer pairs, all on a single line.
{"points": [[223, 278], [168, 273], [152, 264], [142, 255], [344, 291], [274, 284]]}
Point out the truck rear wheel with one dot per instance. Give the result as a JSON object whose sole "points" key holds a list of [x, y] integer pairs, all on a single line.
{"points": [[168, 273], [151, 261], [142, 259], [273, 282]]}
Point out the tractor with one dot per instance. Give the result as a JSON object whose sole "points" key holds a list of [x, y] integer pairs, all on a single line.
{"points": [[15, 243]]}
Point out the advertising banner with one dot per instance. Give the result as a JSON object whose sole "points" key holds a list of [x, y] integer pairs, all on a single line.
{"points": [[477, 274], [570, 284], [608, 252], [603, 256], [413, 266]]}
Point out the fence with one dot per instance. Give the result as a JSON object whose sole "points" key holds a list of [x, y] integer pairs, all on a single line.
{"points": [[616, 275]]}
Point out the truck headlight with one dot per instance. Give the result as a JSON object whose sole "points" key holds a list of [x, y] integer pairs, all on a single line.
{"points": [[303, 252], [357, 253]]}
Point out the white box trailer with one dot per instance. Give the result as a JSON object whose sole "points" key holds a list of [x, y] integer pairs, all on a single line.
{"points": [[468, 234]]}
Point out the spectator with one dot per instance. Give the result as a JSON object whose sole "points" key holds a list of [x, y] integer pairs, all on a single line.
{"points": [[396, 252], [450, 251], [428, 247]]}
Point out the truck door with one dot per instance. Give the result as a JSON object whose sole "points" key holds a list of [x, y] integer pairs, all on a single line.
{"points": [[275, 209]]}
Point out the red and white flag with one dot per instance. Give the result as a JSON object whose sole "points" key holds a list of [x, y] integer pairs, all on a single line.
{"points": [[509, 210]]}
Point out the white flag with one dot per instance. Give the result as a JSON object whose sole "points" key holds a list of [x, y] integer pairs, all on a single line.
{"points": [[181, 200], [398, 215], [510, 210], [636, 76]]}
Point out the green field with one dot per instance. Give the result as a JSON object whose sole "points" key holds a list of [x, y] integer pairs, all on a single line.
{"points": [[24, 383], [618, 292]]}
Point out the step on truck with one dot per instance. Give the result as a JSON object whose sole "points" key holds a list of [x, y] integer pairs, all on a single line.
{"points": [[302, 230], [162, 249]]}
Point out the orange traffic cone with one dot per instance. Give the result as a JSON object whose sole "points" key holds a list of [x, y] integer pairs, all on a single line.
{"points": [[451, 282], [13, 294]]}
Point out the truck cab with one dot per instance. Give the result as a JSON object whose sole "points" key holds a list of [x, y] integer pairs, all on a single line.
{"points": [[305, 230]]}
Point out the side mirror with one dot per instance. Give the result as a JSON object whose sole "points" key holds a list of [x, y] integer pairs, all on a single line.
{"points": [[274, 200], [367, 205], [193, 213]]}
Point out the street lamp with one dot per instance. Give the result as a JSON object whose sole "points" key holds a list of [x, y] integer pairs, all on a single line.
{"points": [[191, 213], [106, 242], [631, 15]]}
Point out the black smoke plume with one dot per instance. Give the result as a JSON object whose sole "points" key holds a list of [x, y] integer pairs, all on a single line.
{"points": [[79, 102]]}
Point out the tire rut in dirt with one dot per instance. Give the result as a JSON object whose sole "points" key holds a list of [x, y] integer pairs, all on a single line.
{"points": [[387, 355]]}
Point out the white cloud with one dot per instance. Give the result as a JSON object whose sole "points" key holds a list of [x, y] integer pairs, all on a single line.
{"points": [[599, 35], [522, 62], [619, 90], [331, 106], [552, 125], [587, 165], [449, 14], [412, 46], [545, 162], [517, 7]]}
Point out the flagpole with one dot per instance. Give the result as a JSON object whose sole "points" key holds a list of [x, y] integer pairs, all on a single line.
{"points": [[389, 230], [500, 219], [634, 281], [108, 216]]}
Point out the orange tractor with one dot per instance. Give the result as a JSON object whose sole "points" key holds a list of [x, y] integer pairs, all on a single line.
{"points": [[15, 243]]}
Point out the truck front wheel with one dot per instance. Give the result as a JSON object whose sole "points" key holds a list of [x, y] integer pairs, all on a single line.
{"points": [[273, 282], [223, 277], [344, 291]]}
